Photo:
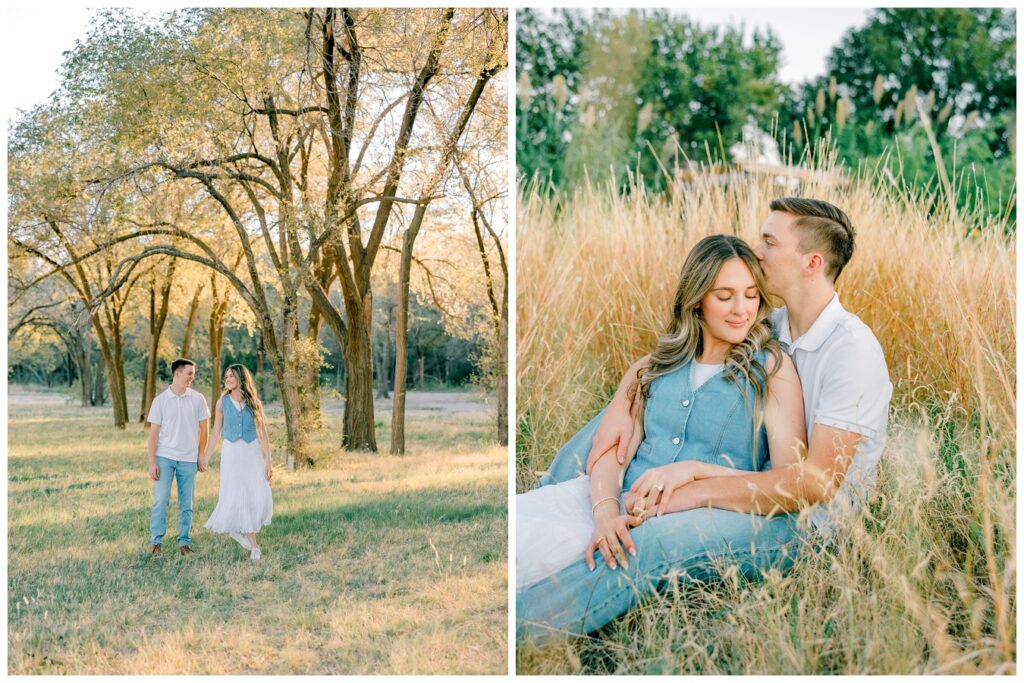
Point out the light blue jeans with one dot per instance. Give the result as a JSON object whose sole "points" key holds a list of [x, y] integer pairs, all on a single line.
{"points": [[185, 474], [684, 546]]}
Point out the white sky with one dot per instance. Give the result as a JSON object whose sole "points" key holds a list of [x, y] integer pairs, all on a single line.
{"points": [[37, 36], [807, 35], [35, 39]]}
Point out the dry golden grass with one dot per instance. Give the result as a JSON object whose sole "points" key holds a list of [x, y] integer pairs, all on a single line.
{"points": [[373, 564], [924, 580]]}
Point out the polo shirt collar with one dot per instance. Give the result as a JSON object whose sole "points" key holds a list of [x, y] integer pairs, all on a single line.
{"points": [[184, 394], [812, 339]]}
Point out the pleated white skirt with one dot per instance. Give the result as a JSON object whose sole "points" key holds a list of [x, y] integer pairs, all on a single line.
{"points": [[554, 525], [245, 504]]}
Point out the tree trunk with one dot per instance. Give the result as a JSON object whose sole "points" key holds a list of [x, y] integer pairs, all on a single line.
{"points": [[218, 312], [502, 370], [402, 332], [288, 368], [358, 428], [260, 366], [157, 320], [311, 368], [379, 359], [383, 381], [85, 368], [115, 375], [101, 393], [190, 323], [499, 315]]}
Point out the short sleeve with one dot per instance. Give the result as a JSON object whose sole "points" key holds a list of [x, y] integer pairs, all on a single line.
{"points": [[855, 388], [202, 409], [155, 414]]}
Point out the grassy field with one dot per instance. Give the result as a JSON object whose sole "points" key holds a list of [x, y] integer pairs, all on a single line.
{"points": [[373, 564], [924, 581]]}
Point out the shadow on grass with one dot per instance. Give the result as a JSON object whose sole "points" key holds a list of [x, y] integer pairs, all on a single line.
{"points": [[310, 527]]}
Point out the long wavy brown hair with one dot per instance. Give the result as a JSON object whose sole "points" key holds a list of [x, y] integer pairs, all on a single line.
{"points": [[247, 386], [683, 339]]}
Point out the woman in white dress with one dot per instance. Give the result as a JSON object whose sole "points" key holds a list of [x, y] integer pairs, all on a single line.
{"points": [[244, 505]]}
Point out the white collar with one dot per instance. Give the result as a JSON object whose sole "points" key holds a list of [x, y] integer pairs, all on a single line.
{"points": [[812, 339]]}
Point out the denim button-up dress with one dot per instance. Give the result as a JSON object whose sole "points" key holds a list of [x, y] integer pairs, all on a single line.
{"points": [[238, 424], [713, 424]]}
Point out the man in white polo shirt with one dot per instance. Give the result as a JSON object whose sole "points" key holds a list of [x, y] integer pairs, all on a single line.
{"points": [[179, 428], [805, 244]]}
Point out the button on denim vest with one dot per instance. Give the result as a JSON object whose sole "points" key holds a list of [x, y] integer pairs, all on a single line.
{"points": [[713, 424], [238, 424]]}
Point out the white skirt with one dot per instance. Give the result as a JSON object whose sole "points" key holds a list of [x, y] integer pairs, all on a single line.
{"points": [[244, 504], [554, 525]]}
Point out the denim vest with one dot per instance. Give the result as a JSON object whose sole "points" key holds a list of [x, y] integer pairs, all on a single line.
{"points": [[713, 424], [238, 424]]}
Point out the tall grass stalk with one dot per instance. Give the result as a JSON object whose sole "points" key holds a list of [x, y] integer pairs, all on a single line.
{"points": [[923, 580]]}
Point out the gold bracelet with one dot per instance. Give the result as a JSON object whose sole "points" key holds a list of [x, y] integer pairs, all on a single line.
{"points": [[606, 498]]}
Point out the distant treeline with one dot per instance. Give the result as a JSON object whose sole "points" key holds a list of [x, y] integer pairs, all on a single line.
{"points": [[632, 96], [436, 359]]}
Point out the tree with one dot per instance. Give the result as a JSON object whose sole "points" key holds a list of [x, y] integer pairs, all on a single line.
{"points": [[293, 135], [954, 66], [487, 70], [614, 93]]}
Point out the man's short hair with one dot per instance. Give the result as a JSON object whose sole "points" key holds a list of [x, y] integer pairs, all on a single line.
{"points": [[180, 363], [823, 227]]}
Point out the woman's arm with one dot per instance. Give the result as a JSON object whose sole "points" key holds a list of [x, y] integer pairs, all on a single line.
{"points": [[268, 464], [211, 445], [611, 534]]}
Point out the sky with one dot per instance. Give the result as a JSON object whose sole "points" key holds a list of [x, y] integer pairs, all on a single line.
{"points": [[36, 38], [807, 35]]}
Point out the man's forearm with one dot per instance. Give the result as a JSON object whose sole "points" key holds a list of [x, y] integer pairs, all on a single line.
{"points": [[785, 490]]}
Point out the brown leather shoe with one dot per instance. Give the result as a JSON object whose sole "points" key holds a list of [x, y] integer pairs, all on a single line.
{"points": [[156, 550], [186, 550]]}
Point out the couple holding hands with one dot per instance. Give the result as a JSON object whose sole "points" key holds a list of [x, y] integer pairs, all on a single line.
{"points": [[179, 447]]}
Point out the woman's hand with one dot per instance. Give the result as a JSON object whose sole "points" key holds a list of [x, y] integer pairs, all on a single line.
{"points": [[611, 538], [650, 492], [268, 469]]}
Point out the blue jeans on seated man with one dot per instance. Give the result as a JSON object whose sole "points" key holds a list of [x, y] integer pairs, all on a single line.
{"points": [[185, 474], [685, 546]]}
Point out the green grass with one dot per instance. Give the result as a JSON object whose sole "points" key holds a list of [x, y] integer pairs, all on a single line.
{"points": [[373, 563]]}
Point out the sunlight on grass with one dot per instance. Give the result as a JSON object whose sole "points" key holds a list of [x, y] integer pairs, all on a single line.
{"points": [[350, 544]]}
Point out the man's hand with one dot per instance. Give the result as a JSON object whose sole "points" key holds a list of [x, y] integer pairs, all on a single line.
{"points": [[204, 460], [611, 538], [154, 471], [615, 430]]}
